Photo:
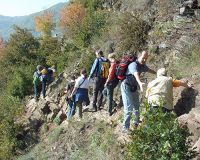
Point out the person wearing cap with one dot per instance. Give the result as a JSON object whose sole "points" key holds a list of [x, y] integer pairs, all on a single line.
{"points": [[36, 81], [160, 91]]}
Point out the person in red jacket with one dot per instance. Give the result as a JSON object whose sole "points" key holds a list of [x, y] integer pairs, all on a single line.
{"points": [[111, 81]]}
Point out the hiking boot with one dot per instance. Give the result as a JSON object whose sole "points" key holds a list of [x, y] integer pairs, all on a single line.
{"points": [[126, 131], [135, 125], [93, 110]]}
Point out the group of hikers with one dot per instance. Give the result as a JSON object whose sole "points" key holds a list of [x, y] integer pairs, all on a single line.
{"points": [[41, 78], [107, 73]]}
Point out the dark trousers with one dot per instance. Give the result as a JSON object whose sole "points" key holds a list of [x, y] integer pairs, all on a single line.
{"points": [[97, 92], [44, 84], [110, 90], [37, 90]]}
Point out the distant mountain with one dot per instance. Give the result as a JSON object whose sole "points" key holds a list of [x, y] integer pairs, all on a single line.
{"points": [[28, 21]]}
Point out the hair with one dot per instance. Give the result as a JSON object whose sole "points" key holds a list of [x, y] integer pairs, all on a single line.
{"points": [[39, 67], [112, 55], [100, 52], [73, 77], [84, 72], [161, 72], [144, 52]]}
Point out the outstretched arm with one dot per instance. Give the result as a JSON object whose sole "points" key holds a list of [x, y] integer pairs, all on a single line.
{"points": [[184, 83], [151, 71], [137, 77], [73, 92], [93, 69]]}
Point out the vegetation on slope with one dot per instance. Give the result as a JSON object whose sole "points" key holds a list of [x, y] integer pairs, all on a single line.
{"points": [[108, 29]]}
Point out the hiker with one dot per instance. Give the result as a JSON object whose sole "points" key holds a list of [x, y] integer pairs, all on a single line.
{"points": [[129, 89], [160, 91], [70, 101], [111, 81], [51, 74], [99, 72], [36, 81], [81, 91], [44, 79]]}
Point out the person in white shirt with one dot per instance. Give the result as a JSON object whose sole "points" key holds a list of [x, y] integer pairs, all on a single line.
{"points": [[81, 91]]}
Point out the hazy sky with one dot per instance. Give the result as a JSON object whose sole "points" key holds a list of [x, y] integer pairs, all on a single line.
{"points": [[25, 7]]}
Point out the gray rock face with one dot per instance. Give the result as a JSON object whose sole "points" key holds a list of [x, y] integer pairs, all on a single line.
{"points": [[183, 44], [45, 110], [140, 5]]}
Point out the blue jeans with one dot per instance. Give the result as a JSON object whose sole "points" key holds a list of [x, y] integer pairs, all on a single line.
{"points": [[131, 104], [72, 108]]}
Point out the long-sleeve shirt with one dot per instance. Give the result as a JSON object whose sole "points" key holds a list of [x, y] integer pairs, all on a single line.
{"points": [[96, 69], [160, 91]]}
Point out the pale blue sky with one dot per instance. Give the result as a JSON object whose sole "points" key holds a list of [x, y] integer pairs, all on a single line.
{"points": [[25, 7]]}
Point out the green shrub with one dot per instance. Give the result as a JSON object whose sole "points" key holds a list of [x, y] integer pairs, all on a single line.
{"points": [[21, 83], [160, 137], [10, 110], [92, 26], [131, 33]]}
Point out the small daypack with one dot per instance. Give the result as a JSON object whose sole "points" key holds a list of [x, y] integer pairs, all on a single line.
{"points": [[122, 67], [105, 68], [36, 78]]}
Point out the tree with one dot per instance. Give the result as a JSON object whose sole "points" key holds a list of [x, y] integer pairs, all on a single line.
{"points": [[132, 33], [45, 23], [19, 62], [2, 46], [72, 16], [21, 47], [10, 110]]}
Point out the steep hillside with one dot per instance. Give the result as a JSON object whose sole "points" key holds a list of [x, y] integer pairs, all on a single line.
{"points": [[28, 21], [172, 43], [38, 128]]}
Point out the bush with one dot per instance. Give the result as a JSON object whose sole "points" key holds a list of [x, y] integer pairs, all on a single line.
{"points": [[131, 33], [160, 137], [10, 110], [22, 82], [91, 27]]}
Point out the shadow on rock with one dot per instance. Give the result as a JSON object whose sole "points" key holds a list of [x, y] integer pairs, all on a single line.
{"points": [[186, 102]]}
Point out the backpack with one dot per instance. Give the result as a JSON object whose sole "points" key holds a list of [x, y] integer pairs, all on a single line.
{"points": [[122, 67], [114, 80], [36, 78], [105, 68]]}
